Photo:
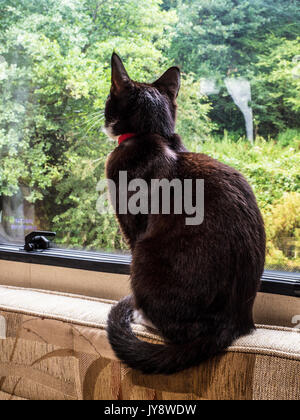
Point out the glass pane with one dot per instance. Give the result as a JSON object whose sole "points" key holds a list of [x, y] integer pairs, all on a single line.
{"points": [[239, 102]]}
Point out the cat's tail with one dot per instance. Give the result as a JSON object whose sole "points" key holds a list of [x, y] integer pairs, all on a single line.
{"points": [[157, 358]]}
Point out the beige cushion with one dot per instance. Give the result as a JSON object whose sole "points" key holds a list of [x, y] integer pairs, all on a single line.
{"points": [[94, 312], [55, 347]]}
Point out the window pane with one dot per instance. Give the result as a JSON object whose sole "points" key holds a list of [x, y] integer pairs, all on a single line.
{"points": [[239, 102]]}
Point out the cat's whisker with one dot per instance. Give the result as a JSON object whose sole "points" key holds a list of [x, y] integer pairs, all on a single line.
{"points": [[92, 127], [92, 121]]}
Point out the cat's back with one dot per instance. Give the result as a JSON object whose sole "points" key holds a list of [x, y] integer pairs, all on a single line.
{"points": [[195, 164], [218, 177]]}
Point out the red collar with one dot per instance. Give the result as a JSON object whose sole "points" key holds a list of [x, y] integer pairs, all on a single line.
{"points": [[124, 137]]}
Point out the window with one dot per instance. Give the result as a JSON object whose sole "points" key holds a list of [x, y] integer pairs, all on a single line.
{"points": [[239, 102]]}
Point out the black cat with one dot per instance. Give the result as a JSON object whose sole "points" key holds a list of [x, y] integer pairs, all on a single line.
{"points": [[195, 284]]}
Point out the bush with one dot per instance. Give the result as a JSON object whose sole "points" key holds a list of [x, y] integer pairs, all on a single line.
{"points": [[273, 172], [193, 122], [290, 138], [283, 232]]}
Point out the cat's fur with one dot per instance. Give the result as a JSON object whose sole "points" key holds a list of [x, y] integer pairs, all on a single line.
{"points": [[195, 284]]}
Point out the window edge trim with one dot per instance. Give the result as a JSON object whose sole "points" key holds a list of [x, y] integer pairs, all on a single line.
{"points": [[274, 282]]}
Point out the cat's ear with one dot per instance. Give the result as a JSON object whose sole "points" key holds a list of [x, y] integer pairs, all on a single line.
{"points": [[170, 81], [119, 76]]}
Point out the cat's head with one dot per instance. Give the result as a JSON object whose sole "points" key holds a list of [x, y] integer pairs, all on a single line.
{"points": [[139, 108]]}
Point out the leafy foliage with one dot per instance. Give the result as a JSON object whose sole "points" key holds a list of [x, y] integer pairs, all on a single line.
{"points": [[241, 38], [224, 37], [272, 170], [55, 76], [283, 232], [277, 86]]}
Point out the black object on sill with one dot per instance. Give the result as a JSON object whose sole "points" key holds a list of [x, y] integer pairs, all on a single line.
{"points": [[38, 241]]}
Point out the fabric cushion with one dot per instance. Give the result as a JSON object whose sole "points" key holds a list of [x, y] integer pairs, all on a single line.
{"points": [[54, 346]]}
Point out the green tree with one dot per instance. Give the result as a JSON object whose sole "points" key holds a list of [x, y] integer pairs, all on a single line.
{"points": [[277, 85], [169, 4], [54, 79], [226, 38]]}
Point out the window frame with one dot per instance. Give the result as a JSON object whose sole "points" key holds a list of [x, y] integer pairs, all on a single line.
{"points": [[274, 282]]}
